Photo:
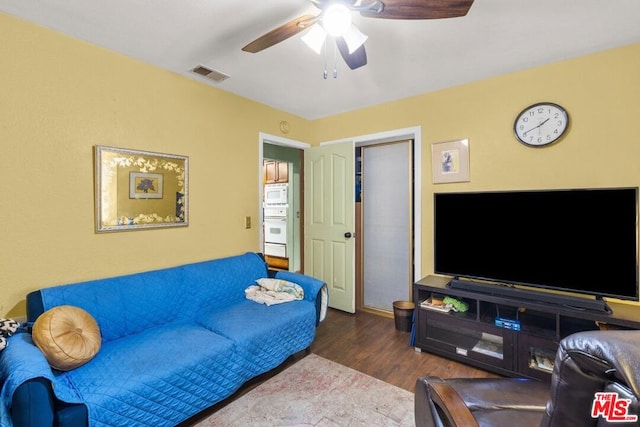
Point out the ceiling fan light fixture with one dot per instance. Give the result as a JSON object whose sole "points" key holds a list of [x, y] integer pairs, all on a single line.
{"points": [[336, 19], [315, 38], [354, 38]]}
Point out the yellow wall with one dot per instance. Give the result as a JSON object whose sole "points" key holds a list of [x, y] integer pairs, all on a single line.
{"points": [[59, 97], [601, 93]]}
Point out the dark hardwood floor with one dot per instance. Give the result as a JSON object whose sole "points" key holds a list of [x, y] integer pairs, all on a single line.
{"points": [[370, 344]]}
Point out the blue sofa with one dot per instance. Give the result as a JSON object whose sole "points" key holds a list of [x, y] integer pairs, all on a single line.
{"points": [[174, 342]]}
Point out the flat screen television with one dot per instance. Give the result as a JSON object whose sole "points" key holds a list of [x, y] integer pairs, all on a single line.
{"points": [[584, 241]]}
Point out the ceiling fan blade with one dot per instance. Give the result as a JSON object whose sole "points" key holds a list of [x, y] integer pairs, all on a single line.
{"points": [[281, 33], [421, 9], [354, 60]]}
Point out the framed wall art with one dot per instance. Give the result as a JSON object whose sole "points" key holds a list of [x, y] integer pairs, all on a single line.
{"points": [[450, 161], [138, 190], [145, 185]]}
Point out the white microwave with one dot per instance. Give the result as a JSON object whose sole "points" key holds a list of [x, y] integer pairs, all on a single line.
{"points": [[276, 194]]}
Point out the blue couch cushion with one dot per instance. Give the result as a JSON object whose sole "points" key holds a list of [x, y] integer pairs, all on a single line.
{"points": [[264, 335], [158, 377], [211, 285], [124, 305]]}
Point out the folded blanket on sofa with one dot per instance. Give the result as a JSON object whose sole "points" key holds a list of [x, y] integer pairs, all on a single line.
{"points": [[274, 291]]}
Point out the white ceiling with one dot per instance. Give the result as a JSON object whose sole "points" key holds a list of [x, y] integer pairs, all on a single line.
{"points": [[405, 58]]}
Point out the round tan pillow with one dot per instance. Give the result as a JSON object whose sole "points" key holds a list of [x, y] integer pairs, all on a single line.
{"points": [[67, 336]]}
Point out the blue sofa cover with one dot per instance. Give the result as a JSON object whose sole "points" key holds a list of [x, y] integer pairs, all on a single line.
{"points": [[174, 342]]}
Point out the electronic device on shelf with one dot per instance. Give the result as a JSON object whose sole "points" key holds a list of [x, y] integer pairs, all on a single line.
{"points": [[581, 241], [501, 322]]}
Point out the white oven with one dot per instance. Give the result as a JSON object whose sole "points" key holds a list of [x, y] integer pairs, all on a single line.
{"points": [[275, 230], [275, 195]]}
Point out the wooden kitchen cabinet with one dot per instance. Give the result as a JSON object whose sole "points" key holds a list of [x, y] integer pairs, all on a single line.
{"points": [[276, 172]]}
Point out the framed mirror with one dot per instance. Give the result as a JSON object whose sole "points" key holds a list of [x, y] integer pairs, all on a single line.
{"points": [[139, 190]]}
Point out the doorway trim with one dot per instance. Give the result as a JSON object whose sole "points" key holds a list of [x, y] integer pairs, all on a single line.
{"points": [[415, 133], [265, 138]]}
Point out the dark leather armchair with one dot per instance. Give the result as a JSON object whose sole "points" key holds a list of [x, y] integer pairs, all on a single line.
{"points": [[586, 363]]}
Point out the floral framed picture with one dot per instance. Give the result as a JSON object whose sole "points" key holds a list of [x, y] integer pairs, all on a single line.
{"points": [[450, 161], [145, 185]]}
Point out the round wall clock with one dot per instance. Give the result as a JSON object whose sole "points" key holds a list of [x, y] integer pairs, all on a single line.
{"points": [[541, 124]]}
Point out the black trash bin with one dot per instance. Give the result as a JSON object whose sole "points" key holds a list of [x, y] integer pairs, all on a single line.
{"points": [[403, 315]]}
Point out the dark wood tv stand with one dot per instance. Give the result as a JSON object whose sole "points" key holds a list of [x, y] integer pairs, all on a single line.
{"points": [[473, 337]]}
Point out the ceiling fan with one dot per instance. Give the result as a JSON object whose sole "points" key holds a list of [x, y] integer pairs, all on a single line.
{"points": [[349, 40]]}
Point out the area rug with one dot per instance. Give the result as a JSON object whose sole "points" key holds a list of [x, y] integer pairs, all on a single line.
{"points": [[318, 392]]}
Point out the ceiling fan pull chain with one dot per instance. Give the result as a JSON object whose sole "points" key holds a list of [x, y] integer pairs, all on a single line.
{"points": [[335, 61], [326, 53]]}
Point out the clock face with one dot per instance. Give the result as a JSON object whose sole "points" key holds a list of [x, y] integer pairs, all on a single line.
{"points": [[541, 124]]}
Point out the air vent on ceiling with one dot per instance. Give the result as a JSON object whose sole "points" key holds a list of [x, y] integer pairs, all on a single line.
{"points": [[214, 75]]}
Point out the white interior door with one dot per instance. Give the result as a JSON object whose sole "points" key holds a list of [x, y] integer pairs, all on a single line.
{"points": [[329, 204]]}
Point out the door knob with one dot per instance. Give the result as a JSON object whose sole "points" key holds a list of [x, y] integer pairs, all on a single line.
{"points": [[347, 235]]}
